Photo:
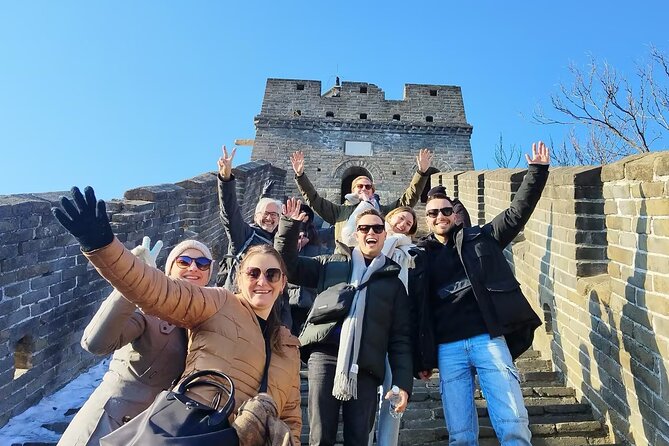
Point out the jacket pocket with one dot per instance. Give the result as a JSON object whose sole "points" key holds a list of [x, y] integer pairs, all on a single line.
{"points": [[508, 302]]}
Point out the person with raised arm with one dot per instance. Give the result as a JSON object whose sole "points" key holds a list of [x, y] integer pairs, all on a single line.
{"points": [[471, 316], [236, 334], [345, 368], [362, 195]]}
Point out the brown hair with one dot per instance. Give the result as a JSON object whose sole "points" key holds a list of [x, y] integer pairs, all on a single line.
{"points": [[414, 226], [356, 179], [367, 212], [273, 320]]}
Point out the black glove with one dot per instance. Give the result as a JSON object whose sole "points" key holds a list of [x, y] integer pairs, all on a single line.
{"points": [[87, 222]]}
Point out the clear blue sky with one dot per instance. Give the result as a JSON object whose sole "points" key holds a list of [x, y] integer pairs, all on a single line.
{"points": [[123, 94]]}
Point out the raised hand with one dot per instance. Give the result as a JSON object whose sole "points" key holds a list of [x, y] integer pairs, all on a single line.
{"points": [[297, 160], [540, 154], [225, 163], [292, 209], [424, 160], [87, 221], [145, 253], [266, 188]]}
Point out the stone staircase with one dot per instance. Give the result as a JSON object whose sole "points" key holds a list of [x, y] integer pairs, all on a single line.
{"points": [[556, 417]]}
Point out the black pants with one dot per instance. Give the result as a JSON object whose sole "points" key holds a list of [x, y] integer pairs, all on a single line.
{"points": [[358, 413]]}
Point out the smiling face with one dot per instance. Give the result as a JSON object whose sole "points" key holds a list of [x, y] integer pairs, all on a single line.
{"points": [[362, 186], [441, 225], [268, 218], [369, 242], [401, 222], [191, 273], [260, 292]]}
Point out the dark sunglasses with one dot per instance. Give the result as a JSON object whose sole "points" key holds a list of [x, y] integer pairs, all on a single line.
{"points": [[272, 275], [202, 263], [364, 186], [432, 213], [378, 229]]}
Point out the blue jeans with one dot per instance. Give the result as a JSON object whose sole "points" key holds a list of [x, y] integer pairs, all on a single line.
{"points": [[388, 427], [500, 385]]}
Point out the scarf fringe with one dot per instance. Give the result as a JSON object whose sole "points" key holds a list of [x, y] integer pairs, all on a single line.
{"points": [[345, 386]]}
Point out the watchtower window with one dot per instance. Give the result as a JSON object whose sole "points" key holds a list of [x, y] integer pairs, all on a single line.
{"points": [[329, 114], [300, 87], [363, 115], [23, 356], [363, 89], [433, 92], [358, 148], [396, 117], [429, 119]]}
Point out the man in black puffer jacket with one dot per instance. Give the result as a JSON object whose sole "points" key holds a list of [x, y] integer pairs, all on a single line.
{"points": [[345, 367], [471, 314]]}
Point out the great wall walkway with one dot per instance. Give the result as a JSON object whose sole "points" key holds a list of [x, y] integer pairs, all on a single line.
{"points": [[557, 418], [593, 261]]}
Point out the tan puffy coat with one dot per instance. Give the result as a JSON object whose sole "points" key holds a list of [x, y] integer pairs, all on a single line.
{"points": [[224, 333], [148, 355]]}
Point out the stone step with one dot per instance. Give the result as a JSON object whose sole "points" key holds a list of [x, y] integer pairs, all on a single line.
{"points": [[433, 432]]}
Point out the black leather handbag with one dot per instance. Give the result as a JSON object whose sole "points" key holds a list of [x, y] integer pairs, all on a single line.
{"points": [[334, 304], [174, 418]]}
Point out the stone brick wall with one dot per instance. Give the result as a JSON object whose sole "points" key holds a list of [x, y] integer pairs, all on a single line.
{"points": [[298, 119], [593, 261], [48, 291]]}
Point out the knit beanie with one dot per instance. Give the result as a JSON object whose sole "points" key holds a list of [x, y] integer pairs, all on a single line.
{"points": [[183, 246]]}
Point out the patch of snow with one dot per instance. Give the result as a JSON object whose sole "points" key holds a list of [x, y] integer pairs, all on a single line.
{"points": [[28, 426]]}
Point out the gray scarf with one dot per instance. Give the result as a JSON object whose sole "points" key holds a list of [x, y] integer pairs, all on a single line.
{"points": [[346, 373]]}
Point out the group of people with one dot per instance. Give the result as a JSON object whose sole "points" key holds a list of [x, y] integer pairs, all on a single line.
{"points": [[448, 301]]}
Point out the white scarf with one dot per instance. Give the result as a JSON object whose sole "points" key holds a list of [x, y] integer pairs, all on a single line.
{"points": [[397, 248], [346, 373]]}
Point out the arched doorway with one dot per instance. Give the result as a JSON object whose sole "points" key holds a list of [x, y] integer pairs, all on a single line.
{"points": [[347, 179]]}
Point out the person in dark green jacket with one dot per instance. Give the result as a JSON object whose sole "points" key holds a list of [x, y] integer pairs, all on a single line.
{"points": [[362, 192], [345, 367]]}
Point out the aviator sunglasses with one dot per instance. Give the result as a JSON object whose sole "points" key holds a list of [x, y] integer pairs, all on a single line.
{"points": [[364, 186], [432, 213], [272, 275], [378, 229], [202, 263]]}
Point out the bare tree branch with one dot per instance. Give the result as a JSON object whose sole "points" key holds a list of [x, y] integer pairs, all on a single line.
{"points": [[608, 115], [507, 158]]}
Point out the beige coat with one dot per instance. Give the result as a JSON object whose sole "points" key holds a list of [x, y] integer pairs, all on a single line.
{"points": [[148, 355], [224, 333]]}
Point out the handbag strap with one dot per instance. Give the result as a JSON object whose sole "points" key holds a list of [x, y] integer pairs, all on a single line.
{"points": [[268, 356]]}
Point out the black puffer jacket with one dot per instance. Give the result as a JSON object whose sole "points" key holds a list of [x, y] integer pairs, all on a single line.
{"points": [[386, 324], [504, 308]]}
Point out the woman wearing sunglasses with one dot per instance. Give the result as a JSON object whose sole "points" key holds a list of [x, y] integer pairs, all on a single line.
{"points": [[226, 332], [149, 353]]}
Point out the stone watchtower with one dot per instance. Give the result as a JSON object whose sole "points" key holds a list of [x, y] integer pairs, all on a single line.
{"points": [[353, 130]]}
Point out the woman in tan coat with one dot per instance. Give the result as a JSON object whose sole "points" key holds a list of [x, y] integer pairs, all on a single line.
{"points": [[226, 331], [149, 353]]}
